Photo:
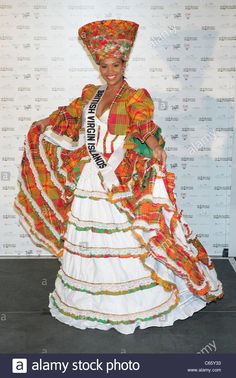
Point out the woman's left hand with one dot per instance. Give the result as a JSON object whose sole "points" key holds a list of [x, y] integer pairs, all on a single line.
{"points": [[160, 154]]}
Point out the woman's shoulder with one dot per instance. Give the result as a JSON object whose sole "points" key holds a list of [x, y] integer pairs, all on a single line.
{"points": [[138, 94], [139, 98], [131, 95], [89, 89]]}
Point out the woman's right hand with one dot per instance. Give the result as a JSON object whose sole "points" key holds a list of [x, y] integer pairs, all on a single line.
{"points": [[42, 123]]}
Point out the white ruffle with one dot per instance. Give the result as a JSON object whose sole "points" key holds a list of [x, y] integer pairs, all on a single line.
{"points": [[187, 306], [185, 311]]}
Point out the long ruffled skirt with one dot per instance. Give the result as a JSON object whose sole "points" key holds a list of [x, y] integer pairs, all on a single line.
{"points": [[109, 278]]}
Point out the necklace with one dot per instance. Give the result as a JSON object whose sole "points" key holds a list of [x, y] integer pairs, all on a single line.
{"points": [[112, 90], [118, 94]]}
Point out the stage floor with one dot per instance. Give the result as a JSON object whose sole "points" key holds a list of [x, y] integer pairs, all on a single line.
{"points": [[27, 326]]}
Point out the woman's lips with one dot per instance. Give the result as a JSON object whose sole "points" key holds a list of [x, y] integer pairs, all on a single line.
{"points": [[111, 77]]}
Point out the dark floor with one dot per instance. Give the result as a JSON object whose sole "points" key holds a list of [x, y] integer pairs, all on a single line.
{"points": [[26, 325]]}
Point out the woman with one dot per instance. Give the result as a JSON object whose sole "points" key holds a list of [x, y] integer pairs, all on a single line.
{"points": [[94, 191]]}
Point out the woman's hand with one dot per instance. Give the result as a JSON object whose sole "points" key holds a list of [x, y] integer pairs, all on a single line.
{"points": [[160, 154], [42, 123], [157, 150]]}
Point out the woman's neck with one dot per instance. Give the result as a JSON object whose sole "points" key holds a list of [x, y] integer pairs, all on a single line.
{"points": [[114, 87]]}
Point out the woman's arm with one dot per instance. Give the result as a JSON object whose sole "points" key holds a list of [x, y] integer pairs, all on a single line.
{"points": [[42, 123], [141, 108], [66, 119], [158, 152]]}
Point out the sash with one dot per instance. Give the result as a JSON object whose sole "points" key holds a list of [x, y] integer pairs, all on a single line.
{"points": [[105, 168], [91, 131]]}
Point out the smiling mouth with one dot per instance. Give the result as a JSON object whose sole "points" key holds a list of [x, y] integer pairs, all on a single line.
{"points": [[111, 77]]}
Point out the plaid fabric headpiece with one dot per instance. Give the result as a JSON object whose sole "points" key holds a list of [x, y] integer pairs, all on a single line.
{"points": [[109, 38]]}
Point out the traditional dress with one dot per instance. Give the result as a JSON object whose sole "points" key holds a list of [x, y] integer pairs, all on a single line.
{"points": [[106, 209]]}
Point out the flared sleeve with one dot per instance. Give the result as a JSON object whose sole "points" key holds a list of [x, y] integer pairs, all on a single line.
{"points": [[140, 109], [66, 120], [46, 177]]}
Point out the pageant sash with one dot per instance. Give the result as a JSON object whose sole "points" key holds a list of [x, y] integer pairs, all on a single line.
{"points": [[91, 130], [105, 168]]}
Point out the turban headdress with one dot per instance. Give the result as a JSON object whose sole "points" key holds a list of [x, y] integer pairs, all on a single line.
{"points": [[109, 38]]}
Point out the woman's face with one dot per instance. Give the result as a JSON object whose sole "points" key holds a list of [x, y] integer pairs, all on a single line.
{"points": [[112, 70]]}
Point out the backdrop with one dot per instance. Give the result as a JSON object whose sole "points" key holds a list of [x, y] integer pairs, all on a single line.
{"points": [[184, 55]]}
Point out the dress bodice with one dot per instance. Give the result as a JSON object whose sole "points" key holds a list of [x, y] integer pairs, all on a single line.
{"points": [[107, 142], [104, 117]]}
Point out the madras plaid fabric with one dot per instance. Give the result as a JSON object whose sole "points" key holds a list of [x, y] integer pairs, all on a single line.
{"points": [[67, 120], [42, 201], [131, 114], [140, 109], [109, 38]]}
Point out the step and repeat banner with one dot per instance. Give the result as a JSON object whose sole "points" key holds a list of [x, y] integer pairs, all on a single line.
{"points": [[184, 55]]}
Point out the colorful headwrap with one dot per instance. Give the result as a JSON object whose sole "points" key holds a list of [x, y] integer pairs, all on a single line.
{"points": [[109, 38]]}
